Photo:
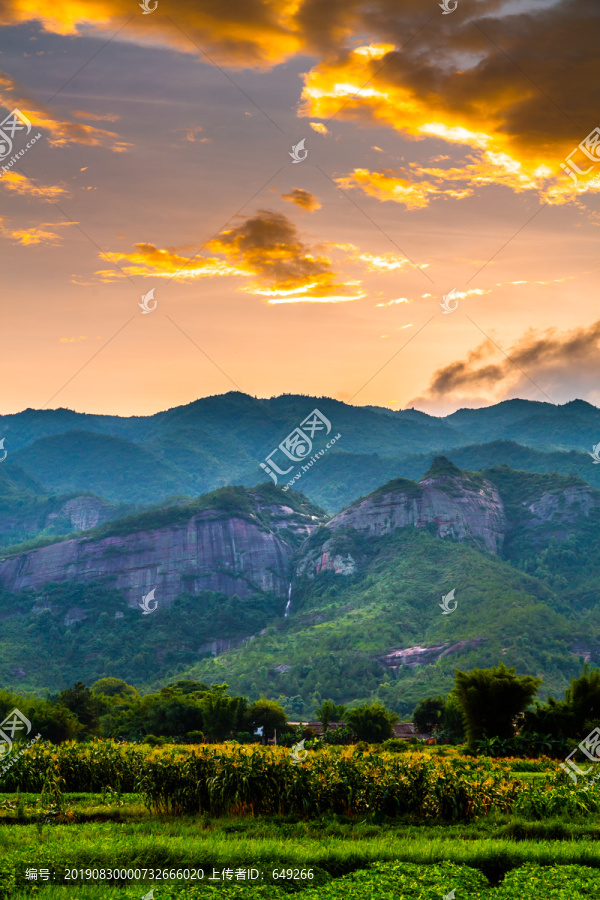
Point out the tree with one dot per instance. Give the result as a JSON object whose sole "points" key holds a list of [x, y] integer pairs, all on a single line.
{"points": [[572, 717], [373, 723], [583, 698], [219, 714], [188, 687], [114, 687], [491, 699], [453, 725], [165, 714], [54, 723], [328, 712], [266, 714], [85, 705], [429, 715]]}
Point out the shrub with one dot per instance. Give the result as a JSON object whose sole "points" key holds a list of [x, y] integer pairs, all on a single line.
{"points": [[246, 737], [395, 745], [153, 741]]}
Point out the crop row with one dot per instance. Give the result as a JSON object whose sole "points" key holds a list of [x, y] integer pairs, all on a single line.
{"points": [[253, 780]]}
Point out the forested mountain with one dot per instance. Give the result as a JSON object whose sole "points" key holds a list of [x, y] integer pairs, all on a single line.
{"points": [[517, 552], [218, 441]]}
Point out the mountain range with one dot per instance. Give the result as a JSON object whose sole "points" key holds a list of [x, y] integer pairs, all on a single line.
{"points": [[261, 586], [132, 463]]}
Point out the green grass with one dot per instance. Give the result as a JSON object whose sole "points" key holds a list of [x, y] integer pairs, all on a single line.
{"points": [[397, 879], [492, 858]]}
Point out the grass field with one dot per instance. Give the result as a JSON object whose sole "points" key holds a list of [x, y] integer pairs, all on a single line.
{"points": [[489, 856]]}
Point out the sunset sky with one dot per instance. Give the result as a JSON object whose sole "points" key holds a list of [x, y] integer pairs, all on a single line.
{"points": [[433, 145]]}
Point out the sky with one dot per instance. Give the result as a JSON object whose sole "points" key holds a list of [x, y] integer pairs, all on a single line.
{"points": [[431, 241]]}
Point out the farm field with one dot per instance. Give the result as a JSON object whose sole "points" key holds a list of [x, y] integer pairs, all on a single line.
{"points": [[416, 825]]}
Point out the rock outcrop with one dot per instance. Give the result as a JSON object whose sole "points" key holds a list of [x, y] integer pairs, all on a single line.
{"points": [[235, 553], [552, 514], [54, 516], [418, 656], [454, 504]]}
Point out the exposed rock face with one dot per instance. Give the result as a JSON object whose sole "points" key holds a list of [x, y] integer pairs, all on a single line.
{"points": [[555, 510], [451, 503], [57, 516], [341, 565], [418, 656], [83, 512], [209, 551], [456, 505]]}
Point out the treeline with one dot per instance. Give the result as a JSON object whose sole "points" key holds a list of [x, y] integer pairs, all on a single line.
{"points": [[493, 711], [185, 712], [497, 714]]}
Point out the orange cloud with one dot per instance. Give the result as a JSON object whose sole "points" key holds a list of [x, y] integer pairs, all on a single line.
{"points": [[58, 133], [269, 246], [488, 108], [191, 135], [149, 260], [255, 33], [38, 234], [266, 247], [500, 84], [81, 114], [12, 181], [303, 199]]}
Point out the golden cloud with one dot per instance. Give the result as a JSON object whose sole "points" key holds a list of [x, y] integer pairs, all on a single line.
{"points": [[303, 199], [500, 84], [385, 262], [269, 246], [266, 247], [58, 133], [38, 234], [253, 32], [149, 260], [513, 126], [12, 181]]}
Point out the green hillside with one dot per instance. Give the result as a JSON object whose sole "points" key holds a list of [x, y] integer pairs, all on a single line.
{"points": [[110, 466], [533, 607], [67, 632], [339, 628]]}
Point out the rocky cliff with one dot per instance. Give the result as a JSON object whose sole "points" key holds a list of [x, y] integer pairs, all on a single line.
{"points": [[242, 551], [462, 506], [455, 504]]}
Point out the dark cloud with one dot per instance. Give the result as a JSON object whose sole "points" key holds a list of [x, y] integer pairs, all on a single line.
{"points": [[553, 363], [524, 84]]}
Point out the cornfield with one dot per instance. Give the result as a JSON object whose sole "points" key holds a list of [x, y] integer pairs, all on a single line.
{"points": [[84, 767], [254, 780]]}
